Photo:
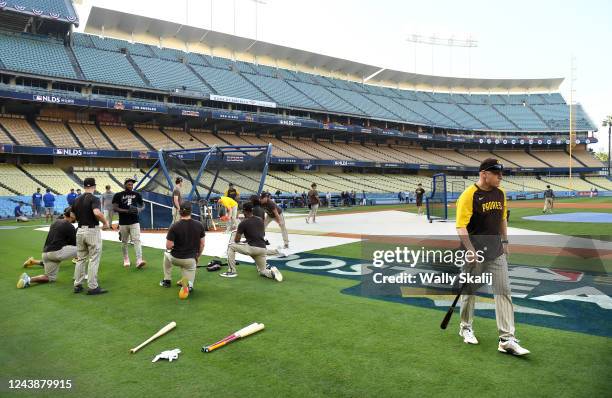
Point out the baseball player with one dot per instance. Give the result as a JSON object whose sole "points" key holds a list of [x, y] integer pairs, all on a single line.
{"points": [[314, 201], [49, 202], [71, 197], [549, 197], [274, 212], [184, 246], [419, 192], [481, 225], [232, 192], [253, 229], [177, 198], [128, 204], [19, 214], [258, 211], [59, 246], [36, 203], [87, 212], [232, 211], [107, 205]]}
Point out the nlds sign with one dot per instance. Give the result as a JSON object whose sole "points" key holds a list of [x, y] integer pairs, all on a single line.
{"points": [[68, 152]]}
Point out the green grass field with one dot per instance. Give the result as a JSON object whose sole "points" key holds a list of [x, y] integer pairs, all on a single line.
{"points": [[317, 341]]}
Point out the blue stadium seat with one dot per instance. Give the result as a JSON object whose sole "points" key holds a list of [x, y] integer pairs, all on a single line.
{"points": [[401, 111], [217, 62], [168, 75], [489, 116], [328, 100], [366, 105], [107, 67], [523, 117], [281, 92], [427, 112], [229, 83], [461, 117], [35, 54]]}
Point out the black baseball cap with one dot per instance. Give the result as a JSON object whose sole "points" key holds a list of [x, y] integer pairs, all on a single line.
{"points": [[128, 180], [248, 207], [89, 182], [491, 164], [178, 180], [185, 207]]}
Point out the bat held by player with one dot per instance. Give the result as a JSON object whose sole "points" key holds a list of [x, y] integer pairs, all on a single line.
{"points": [[160, 333], [244, 332]]}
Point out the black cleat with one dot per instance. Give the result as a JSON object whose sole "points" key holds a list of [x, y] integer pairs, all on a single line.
{"points": [[78, 288], [96, 291], [165, 283]]}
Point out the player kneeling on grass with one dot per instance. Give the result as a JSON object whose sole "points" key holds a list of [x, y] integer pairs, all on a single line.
{"points": [[253, 230], [184, 246], [128, 204], [59, 246], [482, 225]]}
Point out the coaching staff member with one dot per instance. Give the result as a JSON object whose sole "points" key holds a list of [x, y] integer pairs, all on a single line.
{"points": [[88, 215], [482, 225], [184, 246]]}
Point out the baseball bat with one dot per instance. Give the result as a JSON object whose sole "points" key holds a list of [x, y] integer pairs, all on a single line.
{"points": [[161, 332], [244, 332], [450, 311]]}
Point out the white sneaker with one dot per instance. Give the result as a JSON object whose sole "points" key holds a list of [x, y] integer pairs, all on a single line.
{"points": [[276, 273], [228, 274], [282, 253], [468, 335], [511, 346], [126, 262]]}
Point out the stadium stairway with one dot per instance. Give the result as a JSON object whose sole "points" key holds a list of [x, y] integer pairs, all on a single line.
{"points": [[141, 139], [576, 159], [45, 186], [129, 58], [74, 135], [8, 134], [450, 161], [204, 82], [505, 117], [471, 157], [40, 133], [540, 159], [596, 185], [75, 63], [539, 116], [9, 189], [508, 161], [464, 109], [101, 130]]}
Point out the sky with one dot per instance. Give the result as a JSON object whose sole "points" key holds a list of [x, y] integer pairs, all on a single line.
{"points": [[516, 39]]}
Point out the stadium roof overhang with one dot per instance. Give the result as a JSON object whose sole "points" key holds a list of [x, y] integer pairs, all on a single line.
{"points": [[102, 19]]}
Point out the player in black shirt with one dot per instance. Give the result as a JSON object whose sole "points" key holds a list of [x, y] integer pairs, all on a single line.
{"points": [[232, 192], [184, 246], [419, 192], [60, 245], [274, 213], [128, 204], [254, 230]]}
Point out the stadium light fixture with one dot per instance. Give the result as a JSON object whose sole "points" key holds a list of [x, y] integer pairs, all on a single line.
{"points": [[608, 122], [449, 42]]}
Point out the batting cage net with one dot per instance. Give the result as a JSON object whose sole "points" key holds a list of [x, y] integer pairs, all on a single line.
{"points": [[206, 174], [437, 201], [457, 188]]}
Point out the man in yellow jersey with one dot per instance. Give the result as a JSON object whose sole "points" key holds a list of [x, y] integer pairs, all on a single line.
{"points": [[232, 211], [482, 225]]}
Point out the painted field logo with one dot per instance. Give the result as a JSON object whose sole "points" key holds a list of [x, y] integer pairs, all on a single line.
{"points": [[555, 298]]}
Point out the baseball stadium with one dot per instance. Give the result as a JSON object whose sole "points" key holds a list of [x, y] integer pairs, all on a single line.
{"points": [[158, 179]]}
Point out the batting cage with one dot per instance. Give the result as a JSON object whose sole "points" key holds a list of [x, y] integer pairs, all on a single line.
{"points": [[437, 201], [206, 175]]}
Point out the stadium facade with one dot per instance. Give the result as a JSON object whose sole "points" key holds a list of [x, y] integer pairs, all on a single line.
{"points": [[86, 103]]}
